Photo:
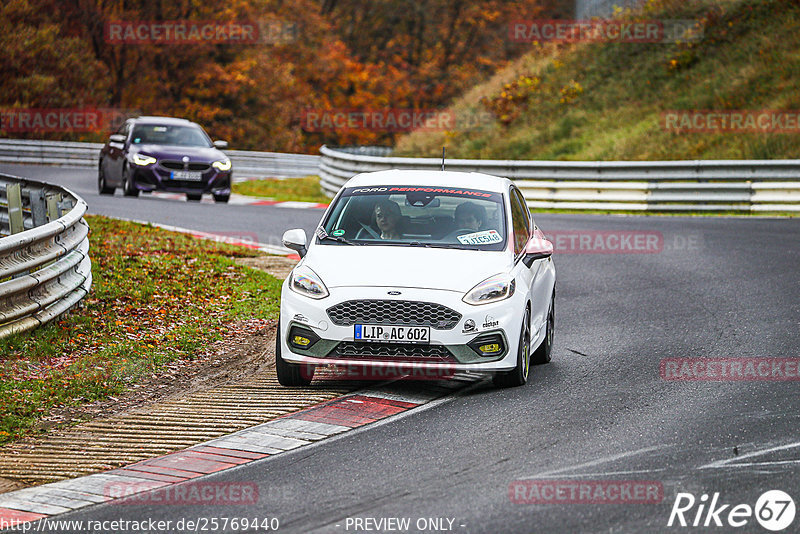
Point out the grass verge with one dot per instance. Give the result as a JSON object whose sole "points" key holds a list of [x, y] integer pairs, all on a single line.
{"points": [[305, 189], [157, 297]]}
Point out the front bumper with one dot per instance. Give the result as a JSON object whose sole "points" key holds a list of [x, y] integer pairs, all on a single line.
{"points": [[157, 178], [449, 349]]}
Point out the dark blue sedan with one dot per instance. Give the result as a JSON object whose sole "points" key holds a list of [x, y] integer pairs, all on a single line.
{"points": [[164, 154]]}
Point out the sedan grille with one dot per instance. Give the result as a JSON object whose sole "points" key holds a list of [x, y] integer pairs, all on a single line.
{"points": [[179, 166], [399, 352], [394, 312]]}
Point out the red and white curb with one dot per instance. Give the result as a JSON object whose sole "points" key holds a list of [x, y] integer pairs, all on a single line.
{"points": [[286, 433], [243, 200]]}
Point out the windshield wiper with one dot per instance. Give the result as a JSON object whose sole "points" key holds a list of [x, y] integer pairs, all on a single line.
{"points": [[323, 235]]}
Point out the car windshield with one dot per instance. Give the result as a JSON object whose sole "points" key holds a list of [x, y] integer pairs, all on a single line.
{"points": [[159, 134], [442, 217]]}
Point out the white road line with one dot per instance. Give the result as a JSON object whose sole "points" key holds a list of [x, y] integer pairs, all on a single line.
{"points": [[598, 461], [724, 463], [610, 473]]}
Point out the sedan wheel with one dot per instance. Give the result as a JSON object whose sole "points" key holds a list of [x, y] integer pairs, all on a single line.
{"points": [[519, 375], [102, 186], [127, 184]]}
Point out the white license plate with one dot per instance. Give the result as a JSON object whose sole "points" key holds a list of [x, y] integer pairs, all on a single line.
{"points": [[187, 175], [389, 333]]}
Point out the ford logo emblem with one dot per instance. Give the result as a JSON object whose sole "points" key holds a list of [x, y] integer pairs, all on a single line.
{"points": [[394, 292]]}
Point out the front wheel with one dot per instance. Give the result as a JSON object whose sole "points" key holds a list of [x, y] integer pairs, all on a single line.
{"points": [[518, 376], [222, 199], [290, 374], [128, 187]]}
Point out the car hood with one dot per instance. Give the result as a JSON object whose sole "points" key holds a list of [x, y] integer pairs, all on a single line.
{"points": [[402, 266], [195, 153]]}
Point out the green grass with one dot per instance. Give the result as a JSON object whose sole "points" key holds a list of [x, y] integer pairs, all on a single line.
{"points": [[298, 189], [157, 296], [747, 59]]}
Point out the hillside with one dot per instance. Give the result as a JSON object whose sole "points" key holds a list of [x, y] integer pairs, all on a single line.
{"points": [[604, 101]]}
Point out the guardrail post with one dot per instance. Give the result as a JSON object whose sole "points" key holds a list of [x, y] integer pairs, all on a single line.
{"points": [[15, 220], [53, 210], [38, 208]]}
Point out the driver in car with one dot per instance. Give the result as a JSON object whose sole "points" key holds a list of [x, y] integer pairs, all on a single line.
{"points": [[388, 218], [470, 216]]}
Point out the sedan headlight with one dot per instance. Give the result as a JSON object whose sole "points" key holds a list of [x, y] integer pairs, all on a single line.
{"points": [[307, 283], [224, 165], [493, 289], [141, 159]]}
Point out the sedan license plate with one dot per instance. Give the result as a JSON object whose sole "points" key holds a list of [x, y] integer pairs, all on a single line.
{"points": [[186, 175], [389, 333]]}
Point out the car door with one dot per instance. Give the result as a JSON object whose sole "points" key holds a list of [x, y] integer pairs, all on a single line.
{"points": [[115, 157], [538, 277]]}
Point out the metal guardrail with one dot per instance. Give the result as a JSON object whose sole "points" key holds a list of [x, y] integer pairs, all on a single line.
{"points": [[246, 164], [45, 268], [704, 186]]}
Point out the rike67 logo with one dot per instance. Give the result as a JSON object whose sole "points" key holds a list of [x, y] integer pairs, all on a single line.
{"points": [[774, 510]]}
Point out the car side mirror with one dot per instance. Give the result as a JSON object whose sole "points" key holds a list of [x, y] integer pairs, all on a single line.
{"points": [[221, 144], [537, 249], [296, 240], [117, 138]]}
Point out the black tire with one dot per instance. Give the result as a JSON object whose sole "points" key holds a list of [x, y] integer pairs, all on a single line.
{"points": [[291, 374], [542, 354], [102, 187], [128, 189], [222, 199], [192, 197], [518, 376]]}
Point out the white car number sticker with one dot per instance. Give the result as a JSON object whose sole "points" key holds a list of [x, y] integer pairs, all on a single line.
{"points": [[486, 237]]}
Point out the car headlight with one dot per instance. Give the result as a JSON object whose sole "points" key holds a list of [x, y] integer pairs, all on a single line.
{"points": [[307, 283], [493, 289], [141, 159], [224, 165]]}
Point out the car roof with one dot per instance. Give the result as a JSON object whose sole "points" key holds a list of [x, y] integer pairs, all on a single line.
{"points": [[164, 120], [467, 180]]}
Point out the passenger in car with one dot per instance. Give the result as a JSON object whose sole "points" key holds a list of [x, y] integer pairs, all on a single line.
{"points": [[388, 217], [470, 215]]}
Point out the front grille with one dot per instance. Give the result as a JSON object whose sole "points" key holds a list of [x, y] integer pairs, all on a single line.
{"points": [[179, 166], [398, 352], [394, 312]]}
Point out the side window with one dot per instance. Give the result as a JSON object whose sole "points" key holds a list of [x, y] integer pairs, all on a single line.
{"points": [[520, 221]]}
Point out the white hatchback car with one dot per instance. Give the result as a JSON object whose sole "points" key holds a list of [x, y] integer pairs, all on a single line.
{"points": [[440, 271]]}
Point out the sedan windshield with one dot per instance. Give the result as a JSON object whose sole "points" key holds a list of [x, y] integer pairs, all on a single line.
{"points": [[429, 216], [156, 134]]}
